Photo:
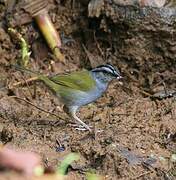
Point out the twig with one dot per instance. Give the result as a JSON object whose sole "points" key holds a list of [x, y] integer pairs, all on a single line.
{"points": [[98, 45], [89, 55], [27, 84], [27, 81], [143, 174], [39, 108], [145, 93], [163, 80]]}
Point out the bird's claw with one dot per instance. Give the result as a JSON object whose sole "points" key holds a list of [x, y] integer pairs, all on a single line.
{"points": [[80, 127]]}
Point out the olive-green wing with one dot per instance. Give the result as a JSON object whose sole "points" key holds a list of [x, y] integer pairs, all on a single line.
{"points": [[77, 80]]}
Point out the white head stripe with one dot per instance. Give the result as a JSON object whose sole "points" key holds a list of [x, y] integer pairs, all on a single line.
{"points": [[106, 69]]}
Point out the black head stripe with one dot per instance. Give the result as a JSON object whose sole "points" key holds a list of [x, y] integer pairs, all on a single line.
{"points": [[107, 68], [110, 66]]}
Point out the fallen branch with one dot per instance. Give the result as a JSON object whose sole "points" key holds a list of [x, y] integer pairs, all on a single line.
{"points": [[39, 108], [22, 83]]}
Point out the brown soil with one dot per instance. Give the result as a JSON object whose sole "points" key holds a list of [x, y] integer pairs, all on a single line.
{"points": [[126, 116]]}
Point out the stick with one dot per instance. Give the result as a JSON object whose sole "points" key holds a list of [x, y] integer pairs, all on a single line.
{"points": [[23, 83], [143, 174], [39, 108]]}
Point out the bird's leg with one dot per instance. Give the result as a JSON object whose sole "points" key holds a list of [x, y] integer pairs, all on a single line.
{"points": [[71, 110], [84, 125]]}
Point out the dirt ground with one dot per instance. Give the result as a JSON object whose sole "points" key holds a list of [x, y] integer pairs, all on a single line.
{"points": [[130, 123]]}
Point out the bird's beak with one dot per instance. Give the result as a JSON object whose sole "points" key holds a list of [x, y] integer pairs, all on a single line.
{"points": [[119, 77], [120, 82]]}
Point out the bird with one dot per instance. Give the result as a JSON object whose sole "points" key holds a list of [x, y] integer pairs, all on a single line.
{"points": [[79, 88]]}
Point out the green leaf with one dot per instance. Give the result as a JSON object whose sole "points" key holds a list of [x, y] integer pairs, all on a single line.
{"points": [[91, 176], [66, 162], [39, 171]]}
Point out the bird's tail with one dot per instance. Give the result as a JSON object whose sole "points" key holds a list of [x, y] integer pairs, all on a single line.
{"points": [[39, 77], [23, 69], [36, 75]]}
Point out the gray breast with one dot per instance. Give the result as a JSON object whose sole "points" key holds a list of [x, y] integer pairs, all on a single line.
{"points": [[83, 98]]}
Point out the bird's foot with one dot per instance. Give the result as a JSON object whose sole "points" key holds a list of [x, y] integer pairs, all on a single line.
{"points": [[81, 127]]}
